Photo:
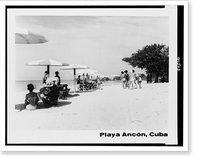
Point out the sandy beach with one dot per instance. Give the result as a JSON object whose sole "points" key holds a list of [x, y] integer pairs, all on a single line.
{"points": [[112, 108]]}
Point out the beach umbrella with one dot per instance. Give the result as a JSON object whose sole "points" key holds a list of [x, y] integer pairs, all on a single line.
{"points": [[48, 63], [23, 36], [74, 67]]}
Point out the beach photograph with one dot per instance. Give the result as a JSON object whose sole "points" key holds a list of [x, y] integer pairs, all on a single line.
{"points": [[102, 51], [98, 74]]}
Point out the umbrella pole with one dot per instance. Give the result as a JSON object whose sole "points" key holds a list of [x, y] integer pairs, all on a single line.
{"points": [[48, 69], [74, 80]]}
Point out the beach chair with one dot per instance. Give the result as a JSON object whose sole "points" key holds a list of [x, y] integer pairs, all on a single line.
{"points": [[63, 91]]}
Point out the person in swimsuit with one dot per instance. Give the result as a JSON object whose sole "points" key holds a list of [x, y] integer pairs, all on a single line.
{"points": [[127, 77], [31, 99], [132, 82], [123, 80]]}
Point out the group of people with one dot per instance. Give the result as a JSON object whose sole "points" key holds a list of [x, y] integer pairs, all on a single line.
{"points": [[47, 95], [87, 83], [131, 80], [50, 92], [56, 81]]}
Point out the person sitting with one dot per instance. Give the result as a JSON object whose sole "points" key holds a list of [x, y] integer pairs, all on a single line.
{"points": [[50, 95], [53, 95], [57, 76], [63, 91], [79, 83], [31, 99]]}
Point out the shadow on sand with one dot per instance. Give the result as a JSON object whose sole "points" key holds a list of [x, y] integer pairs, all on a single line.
{"points": [[86, 91], [20, 107], [61, 103], [72, 95]]}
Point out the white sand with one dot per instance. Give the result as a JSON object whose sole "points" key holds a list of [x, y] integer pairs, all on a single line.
{"points": [[112, 108]]}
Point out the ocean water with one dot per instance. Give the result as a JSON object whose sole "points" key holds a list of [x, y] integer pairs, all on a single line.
{"points": [[22, 85]]}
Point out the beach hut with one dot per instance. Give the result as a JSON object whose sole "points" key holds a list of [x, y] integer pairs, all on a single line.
{"points": [[48, 63], [23, 36], [74, 67]]}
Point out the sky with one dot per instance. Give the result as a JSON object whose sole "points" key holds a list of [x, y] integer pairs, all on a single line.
{"points": [[100, 42]]}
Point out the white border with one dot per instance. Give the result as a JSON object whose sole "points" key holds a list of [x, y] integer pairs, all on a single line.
{"points": [[100, 148], [70, 136]]}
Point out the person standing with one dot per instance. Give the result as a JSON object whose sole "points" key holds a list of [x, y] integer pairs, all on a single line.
{"points": [[98, 82], [139, 81], [123, 80], [87, 77], [127, 78], [83, 78], [132, 82], [46, 76], [58, 77]]}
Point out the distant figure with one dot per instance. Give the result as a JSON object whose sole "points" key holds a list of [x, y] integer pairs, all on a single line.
{"points": [[31, 99], [132, 82], [98, 82], [87, 77], [46, 75], [57, 76], [83, 78], [147, 78], [127, 77], [79, 83], [139, 81], [123, 80]]}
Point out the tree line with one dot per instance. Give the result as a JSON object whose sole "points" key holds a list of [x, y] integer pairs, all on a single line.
{"points": [[154, 59]]}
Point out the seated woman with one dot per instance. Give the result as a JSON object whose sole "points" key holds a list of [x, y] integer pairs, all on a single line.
{"points": [[49, 95], [31, 99]]}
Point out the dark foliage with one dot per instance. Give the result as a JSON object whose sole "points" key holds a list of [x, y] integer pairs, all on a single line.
{"points": [[154, 59]]}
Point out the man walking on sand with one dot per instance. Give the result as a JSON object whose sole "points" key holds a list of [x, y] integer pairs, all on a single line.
{"points": [[127, 78], [133, 82], [123, 80]]}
